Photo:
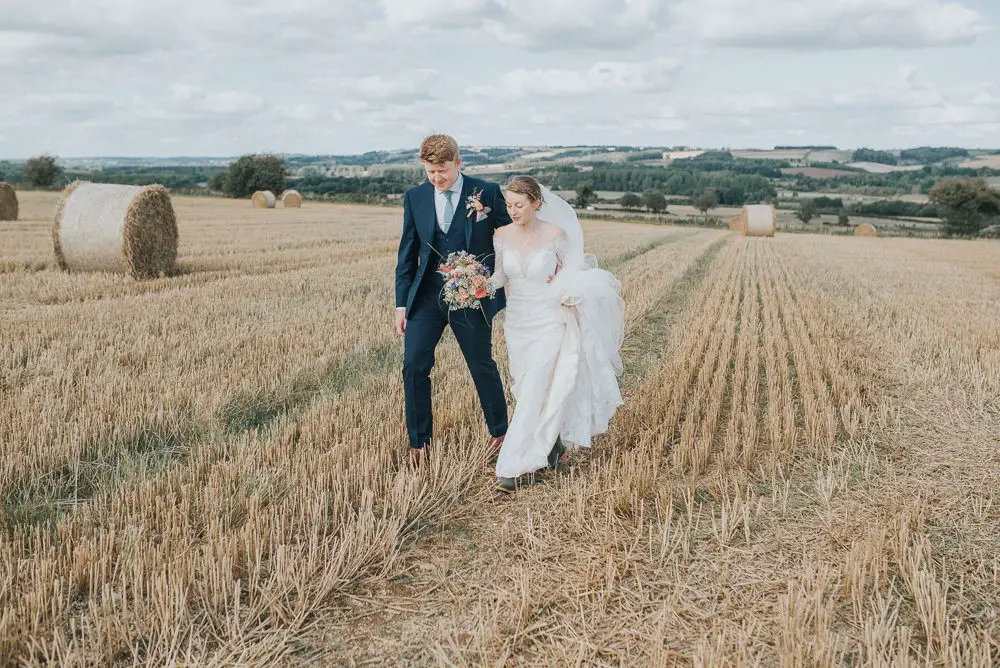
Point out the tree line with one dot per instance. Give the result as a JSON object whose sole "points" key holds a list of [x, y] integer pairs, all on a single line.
{"points": [[45, 172], [892, 208], [965, 206], [41, 171], [731, 188], [922, 155]]}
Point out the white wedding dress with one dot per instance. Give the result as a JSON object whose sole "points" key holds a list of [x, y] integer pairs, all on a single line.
{"points": [[563, 339]]}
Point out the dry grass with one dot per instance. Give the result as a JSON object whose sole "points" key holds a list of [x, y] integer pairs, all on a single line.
{"points": [[804, 472]]}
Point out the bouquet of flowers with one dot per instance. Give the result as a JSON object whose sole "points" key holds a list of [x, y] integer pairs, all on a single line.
{"points": [[466, 281]]}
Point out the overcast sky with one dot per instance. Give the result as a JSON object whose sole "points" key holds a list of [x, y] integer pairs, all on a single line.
{"points": [[221, 77]]}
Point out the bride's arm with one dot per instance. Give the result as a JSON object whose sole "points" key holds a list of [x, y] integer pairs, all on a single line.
{"points": [[560, 247], [499, 278]]}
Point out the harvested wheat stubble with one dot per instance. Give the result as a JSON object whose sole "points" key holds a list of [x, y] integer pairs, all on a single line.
{"points": [[758, 220], [291, 199], [115, 228], [8, 202], [263, 199], [865, 230]]}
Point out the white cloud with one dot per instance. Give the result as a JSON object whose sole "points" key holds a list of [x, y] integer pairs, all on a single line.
{"points": [[192, 100], [404, 86], [976, 107], [53, 107], [602, 78], [545, 26], [581, 24], [828, 24], [435, 13], [902, 106]]}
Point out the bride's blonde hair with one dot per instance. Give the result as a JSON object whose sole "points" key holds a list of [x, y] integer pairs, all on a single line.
{"points": [[527, 186]]}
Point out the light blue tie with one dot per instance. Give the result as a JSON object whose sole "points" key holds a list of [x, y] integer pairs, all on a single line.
{"points": [[449, 212]]}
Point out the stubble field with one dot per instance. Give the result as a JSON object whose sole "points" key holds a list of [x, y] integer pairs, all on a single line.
{"points": [[206, 469]]}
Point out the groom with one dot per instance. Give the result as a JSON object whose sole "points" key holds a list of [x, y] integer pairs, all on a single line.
{"points": [[436, 222]]}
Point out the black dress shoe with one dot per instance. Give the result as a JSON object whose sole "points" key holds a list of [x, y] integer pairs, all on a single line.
{"points": [[555, 453]]}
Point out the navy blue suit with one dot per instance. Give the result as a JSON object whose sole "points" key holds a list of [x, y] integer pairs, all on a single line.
{"points": [[418, 289]]}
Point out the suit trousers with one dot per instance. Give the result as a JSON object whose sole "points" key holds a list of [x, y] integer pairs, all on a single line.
{"points": [[429, 316]]}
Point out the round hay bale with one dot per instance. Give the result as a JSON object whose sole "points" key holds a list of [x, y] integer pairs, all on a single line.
{"points": [[123, 229], [8, 202], [263, 199], [758, 220], [865, 230], [736, 223], [291, 199]]}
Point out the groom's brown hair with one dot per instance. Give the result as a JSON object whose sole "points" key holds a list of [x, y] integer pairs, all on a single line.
{"points": [[438, 149]]}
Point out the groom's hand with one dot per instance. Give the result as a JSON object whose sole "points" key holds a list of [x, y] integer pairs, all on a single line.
{"points": [[400, 321]]}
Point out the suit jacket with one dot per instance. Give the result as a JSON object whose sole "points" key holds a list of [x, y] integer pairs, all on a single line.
{"points": [[416, 257]]}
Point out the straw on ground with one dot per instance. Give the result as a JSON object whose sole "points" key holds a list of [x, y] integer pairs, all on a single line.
{"points": [[804, 472]]}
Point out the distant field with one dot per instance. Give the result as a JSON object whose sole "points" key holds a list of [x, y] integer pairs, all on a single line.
{"points": [[682, 155], [887, 226], [796, 155], [539, 155], [879, 168], [830, 156], [492, 168], [851, 197], [786, 220], [770, 155], [990, 161]]}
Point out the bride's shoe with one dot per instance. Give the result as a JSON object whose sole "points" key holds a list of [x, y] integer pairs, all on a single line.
{"points": [[555, 453], [506, 485]]}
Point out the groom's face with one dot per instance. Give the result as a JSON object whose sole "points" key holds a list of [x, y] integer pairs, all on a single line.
{"points": [[443, 176]]}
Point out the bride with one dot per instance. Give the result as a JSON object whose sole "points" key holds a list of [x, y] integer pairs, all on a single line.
{"points": [[564, 328]]}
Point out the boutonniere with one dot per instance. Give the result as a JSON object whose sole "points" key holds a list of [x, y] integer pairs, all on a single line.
{"points": [[474, 205]]}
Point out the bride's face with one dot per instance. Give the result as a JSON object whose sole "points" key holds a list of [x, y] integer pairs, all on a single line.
{"points": [[521, 208]]}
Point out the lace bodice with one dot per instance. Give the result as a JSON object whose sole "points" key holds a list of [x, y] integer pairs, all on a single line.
{"points": [[534, 266]]}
